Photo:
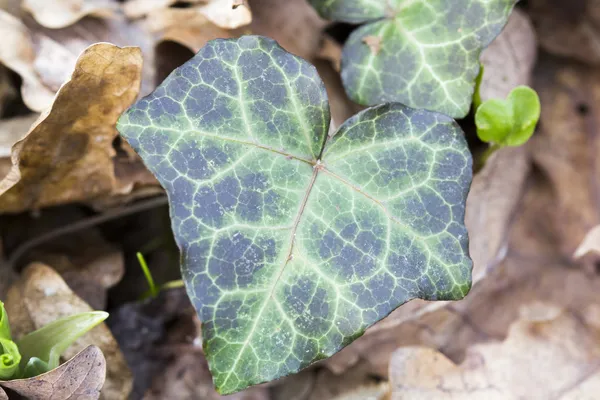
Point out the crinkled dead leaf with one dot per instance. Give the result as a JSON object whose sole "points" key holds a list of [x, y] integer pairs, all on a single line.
{"points": [[18, 54], [568, 28], [42, 296], [550, 353], [509, 59], [68, 155], [60, 13], [80, 378]]}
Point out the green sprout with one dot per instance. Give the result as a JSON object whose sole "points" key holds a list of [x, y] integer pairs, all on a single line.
{"points": [[155, 290], [39, 351], [509, 122]]}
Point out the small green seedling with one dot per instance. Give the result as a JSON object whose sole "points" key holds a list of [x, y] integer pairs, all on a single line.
{"points": [[154, 290], [509, 122], [39, 351]]}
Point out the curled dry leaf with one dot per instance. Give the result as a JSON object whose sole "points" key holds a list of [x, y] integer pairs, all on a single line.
{"points": [[68, 155], [40, 297], [80, 378], [565, 340], [509, 59], [60, 13], [568, 28], [18, 54]]}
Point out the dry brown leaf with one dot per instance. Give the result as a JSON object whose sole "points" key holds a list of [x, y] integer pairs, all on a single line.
{"points": [[60, 13], [3, 395], [18, 54], [80, 378], [568, 28], [68, 155], [510, 58], [331, 51], [42, 296], [549, 353]]}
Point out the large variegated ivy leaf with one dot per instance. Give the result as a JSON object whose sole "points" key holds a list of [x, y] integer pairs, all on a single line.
{"points": [[291, 246], [422, 53]]}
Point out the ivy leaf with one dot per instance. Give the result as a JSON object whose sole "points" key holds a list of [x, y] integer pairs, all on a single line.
{"points": [[291, 248], [429, 49], [509, 122]]}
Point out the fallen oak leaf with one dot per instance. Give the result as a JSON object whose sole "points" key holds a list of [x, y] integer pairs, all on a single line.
{"points": [[566, 341], [61, 13], [40, 297], [49, 168], [80, 378]]}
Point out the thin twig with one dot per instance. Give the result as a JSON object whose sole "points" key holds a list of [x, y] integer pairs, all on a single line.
{"points": [[86, 223]]}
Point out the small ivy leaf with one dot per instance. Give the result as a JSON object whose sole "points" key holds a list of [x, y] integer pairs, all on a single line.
{"points": [[290, 248], [509, 122], [429, 51]]}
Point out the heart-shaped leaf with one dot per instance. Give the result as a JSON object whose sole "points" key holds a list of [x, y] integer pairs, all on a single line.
{"points": [[428, 50], [509, 122], [291, 247]]}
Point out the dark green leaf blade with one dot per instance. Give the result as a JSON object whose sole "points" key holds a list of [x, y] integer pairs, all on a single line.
{"points": [[248, 195], [428, 55], [355, 11]]}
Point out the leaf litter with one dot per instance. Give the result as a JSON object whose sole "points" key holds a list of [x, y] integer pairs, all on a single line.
{"points": [[531, 213]]}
